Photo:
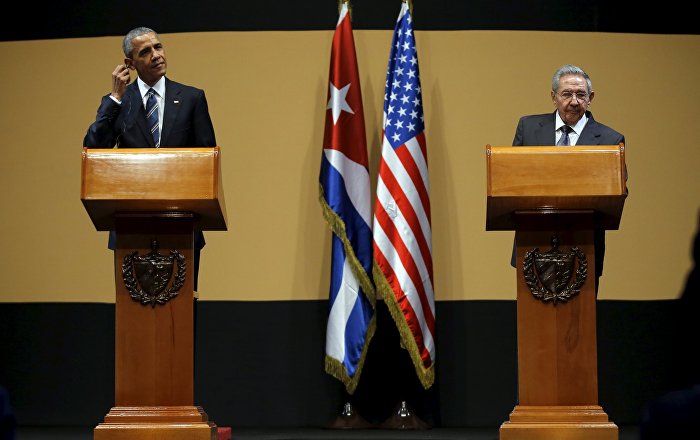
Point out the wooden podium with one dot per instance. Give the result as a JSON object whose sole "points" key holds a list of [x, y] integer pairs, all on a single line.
{"points": [[554, 198], [155, 200]]}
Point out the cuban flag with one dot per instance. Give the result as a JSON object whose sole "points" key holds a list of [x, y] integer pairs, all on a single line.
{"points": [[403, 272], [346, 201]]}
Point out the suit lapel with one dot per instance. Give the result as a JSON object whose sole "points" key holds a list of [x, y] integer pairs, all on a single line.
{"points": [[137, 114], [545, 132], [172, 102], [590, 134]]}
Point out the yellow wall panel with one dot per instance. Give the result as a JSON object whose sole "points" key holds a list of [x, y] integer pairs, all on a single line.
{"points": [[267, 93]]}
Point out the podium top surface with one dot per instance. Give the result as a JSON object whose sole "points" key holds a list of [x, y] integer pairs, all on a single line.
{"points": [[555, 178], [150, 180]]}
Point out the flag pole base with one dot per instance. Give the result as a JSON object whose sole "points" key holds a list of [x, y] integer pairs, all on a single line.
{"points": [[349, 419], [404, 418]]}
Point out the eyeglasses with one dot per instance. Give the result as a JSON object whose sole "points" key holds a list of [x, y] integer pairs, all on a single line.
{"points": [[567, 96]]}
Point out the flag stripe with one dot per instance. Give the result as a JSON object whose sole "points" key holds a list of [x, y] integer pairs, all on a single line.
{"points": [[407, 230], [401, 256], [339, 198], [418, 170], [407, 197], [409, 298], [347, 320], [356, 178]]}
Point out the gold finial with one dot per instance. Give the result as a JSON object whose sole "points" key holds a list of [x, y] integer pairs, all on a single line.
{"points": [[410, 6], [340, 6]]}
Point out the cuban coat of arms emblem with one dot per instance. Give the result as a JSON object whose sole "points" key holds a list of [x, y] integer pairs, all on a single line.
{"points": [[555, 276], [148, 277]]}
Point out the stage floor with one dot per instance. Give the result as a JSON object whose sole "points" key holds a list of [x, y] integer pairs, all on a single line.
{"points": [[85, 433]]}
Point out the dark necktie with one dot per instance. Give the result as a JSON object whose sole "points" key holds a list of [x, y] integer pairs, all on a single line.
{"points": [[152, 116], [564, 139]]}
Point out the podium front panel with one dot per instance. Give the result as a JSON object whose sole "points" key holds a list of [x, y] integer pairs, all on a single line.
{"points": [[153, 180], [555, 178]]}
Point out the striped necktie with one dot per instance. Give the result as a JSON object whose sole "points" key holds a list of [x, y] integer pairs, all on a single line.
{"points": [[152, 116], [564, 139]]}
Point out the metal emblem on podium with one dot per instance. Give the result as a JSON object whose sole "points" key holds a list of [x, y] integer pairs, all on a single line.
{"points": [[549, 274], [146, 277]]}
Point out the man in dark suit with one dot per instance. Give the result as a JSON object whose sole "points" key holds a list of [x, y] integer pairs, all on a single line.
{"points": [[570, 124], [179, 114]]}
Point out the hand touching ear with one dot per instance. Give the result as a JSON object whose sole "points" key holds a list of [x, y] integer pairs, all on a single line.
{"points": [[121, 77]]}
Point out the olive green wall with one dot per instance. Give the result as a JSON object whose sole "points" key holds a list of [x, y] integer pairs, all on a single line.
{"points": [[267, 93]]}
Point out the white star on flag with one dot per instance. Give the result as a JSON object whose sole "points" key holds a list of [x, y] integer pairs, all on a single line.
{"points": [[338, 102]]}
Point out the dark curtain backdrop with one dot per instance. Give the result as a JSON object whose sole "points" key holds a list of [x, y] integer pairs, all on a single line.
{"points": [[83, 18]]}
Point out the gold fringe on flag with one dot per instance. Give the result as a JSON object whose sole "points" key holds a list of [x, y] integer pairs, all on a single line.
{"points": [[408, 342], [337, 369]]}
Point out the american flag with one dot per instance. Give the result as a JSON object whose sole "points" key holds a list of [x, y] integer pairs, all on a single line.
{"points": [[346, 202], [403, 272]]}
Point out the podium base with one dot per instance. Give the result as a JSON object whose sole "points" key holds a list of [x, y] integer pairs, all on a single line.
{"points": [[156, 423], [585, 422]]}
